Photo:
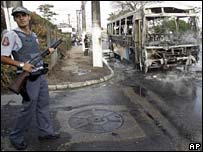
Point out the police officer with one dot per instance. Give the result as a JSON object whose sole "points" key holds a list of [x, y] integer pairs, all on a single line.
{"points": [[22, 44]]}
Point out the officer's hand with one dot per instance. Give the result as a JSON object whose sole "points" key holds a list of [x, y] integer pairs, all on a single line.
{"points": [[28, 67], [51, 50]]}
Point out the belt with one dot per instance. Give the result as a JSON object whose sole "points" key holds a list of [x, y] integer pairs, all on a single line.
{"points": [[18, 71]]}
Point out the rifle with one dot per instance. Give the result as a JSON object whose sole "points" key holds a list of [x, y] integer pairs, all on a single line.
{"points": [[19, 82]]}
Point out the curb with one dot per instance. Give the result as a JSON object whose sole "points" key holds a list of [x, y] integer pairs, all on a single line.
{"points": [[71, 85]]}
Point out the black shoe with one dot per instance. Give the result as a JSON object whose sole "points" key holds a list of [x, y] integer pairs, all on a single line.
{"points": [[52, 136], [21, 146]]}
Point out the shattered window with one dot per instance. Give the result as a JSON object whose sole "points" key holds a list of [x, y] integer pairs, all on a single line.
{"points": [[170, 30], [123, 26], [174, 10], [156, 10], [117, 27], [114, 28], [129, 25]]}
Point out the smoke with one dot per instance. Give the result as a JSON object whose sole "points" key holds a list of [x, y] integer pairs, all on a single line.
{"points": [[176, 84], [189, 37]]}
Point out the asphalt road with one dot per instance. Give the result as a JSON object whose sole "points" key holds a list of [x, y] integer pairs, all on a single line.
{"points": [[130, 112], [160, 110]]}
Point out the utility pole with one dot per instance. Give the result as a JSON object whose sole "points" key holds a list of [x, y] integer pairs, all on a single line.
{"points": [[77, 20], [96, 35], [78, 12], [83, 23], [69, 19], [83, 16]]}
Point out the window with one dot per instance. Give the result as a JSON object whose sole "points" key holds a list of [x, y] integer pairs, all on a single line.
{"points": [[123, 31], [114, 29], [129, 25], [156, 10], [174, 10], [117, 27]]}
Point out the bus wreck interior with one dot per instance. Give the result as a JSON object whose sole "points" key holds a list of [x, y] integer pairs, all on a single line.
{"points": [[157, 36]]}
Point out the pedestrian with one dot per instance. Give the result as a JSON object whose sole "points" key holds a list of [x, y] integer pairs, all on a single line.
{"points": [[22, 44], [86, 43]]}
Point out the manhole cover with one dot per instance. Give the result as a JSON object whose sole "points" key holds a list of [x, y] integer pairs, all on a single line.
{"points": [[96, 121]]}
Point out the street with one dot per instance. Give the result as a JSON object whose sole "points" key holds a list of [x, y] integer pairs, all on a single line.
{"points": [[126, 78], [132, 111]]}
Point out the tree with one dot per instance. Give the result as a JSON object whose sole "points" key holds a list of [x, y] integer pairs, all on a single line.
{"points": [[128, 5], [124, 7], [197, 10], [46, 10], [3, 20]]}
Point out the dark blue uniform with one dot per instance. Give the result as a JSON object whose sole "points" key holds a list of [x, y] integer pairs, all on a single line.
{"points": [[36, 96]]}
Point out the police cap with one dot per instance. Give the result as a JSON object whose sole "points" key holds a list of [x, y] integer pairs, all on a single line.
{"points": [[20, 9]]}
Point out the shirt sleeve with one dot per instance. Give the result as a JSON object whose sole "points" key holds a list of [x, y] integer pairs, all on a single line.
{"points": [[10, 42]]}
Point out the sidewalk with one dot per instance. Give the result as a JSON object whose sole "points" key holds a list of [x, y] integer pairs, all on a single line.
{"points": [[76, 70]]}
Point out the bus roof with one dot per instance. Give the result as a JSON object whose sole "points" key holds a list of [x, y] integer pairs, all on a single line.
{"points": [[164, 4], [174, 4]]}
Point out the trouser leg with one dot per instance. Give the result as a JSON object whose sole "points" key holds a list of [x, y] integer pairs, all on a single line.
{"points": [[24, 118], [23, 121], [44, 122]]}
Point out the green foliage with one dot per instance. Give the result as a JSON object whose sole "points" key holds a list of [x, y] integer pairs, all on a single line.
{"points": [[3, 21], [169, 25], [46, 10], [40, 26], [124, 7], [41, 29], [183, 26], [7, 75], [113, 16]]}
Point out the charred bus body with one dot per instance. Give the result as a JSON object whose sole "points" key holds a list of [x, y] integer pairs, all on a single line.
{"points": [[157, 36]]}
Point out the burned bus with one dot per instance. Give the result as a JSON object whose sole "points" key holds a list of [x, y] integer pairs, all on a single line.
{"points": [[157, 36]]}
